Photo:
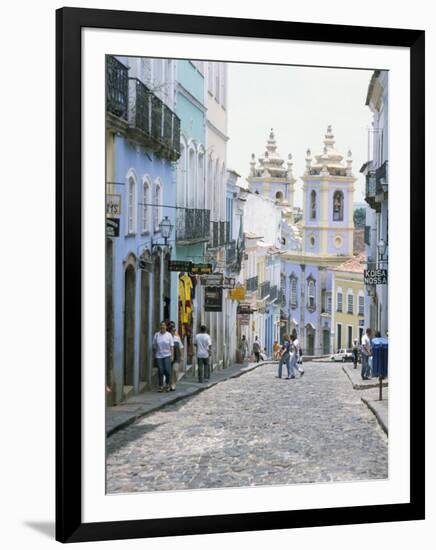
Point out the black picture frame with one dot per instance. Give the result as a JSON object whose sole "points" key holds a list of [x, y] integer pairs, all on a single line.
{"points": [[69, 23]]}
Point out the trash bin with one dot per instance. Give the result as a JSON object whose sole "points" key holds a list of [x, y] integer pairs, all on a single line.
{"points": [[379, 357]]}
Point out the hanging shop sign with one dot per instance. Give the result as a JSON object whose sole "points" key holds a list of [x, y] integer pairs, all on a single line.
{"points": [[375, 276], [113, 205], [214, 279], [243, 319], [112, 227], [177, 265], [237, 294], [244, 309], [213, 298], [201, 269]]}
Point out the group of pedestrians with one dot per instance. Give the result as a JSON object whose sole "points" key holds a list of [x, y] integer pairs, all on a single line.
{"points": [[168, 350], [366, 353], [289, 354]]}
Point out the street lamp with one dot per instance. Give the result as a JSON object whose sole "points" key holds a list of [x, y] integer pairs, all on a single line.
{"points": [[166, 227], [381, 245]]}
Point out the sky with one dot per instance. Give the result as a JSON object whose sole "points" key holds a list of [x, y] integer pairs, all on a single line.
{"points": [[299, 103]]}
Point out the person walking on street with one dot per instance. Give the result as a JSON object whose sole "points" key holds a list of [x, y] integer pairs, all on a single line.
{"points": [[355, 352], [203, 344], [175, 365], [295, 355], [243, 348], [256, 349], [365, 350], [285, 356], [163, 347]]}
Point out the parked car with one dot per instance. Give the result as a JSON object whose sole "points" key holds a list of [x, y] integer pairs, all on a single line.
{"points": [[342, 355]]}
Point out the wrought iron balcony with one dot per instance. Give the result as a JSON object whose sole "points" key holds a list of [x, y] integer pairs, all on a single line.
{"points": [[251, 284], [273, 293], [265, 289], [231, 253], [381, 177], [193, 225], [220, 233], [116, 87], [370, 190]]}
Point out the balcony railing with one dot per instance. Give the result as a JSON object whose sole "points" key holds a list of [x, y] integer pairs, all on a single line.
{"points": [[220, 233], [231, 253], [273, 293], [153, 122], [381, 177], [370, 184], [193, 225], [265, 289], [371, 190], [251, 284], [116, 87]]}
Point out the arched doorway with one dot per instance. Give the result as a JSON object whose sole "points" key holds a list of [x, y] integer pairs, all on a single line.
{"points": [[156, 293], [129, 324], [310, 339], [144, 329]]}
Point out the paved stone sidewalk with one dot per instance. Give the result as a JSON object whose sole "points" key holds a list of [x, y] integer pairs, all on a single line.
{"points": [[252, 430], [356, 378], [371, 395], [379, 408], [132, 409]]}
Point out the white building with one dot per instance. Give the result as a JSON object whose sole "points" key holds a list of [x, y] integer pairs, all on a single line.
{"points": [[376, 196]]}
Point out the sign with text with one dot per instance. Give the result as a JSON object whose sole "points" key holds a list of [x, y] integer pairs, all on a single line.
{"points": [[112, 227], [213, 298], [177, 265], [214, 279], [244, 309], [375, 276], [237, 294], [201, 269], [113, 206], [243, 319]]}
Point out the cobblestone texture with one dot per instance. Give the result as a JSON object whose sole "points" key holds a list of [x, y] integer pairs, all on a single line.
{"points": [[253, 430]]}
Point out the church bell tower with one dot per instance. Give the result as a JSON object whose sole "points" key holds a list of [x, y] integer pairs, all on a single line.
{"points": [[328, 191]]}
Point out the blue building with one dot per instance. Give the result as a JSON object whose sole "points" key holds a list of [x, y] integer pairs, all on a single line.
{"points": [[143, 146], [193, 214]]}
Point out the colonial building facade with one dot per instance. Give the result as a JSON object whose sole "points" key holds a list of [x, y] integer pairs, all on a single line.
{"points": [[376, 196], [307, 252], [143, 143]]}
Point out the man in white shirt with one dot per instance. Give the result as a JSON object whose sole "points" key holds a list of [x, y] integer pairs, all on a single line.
{"points": [[365, 350], [203, 344], [163, 347]]}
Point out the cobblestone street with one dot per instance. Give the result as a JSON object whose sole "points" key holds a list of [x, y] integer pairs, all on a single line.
{"points": [[253, 430]]}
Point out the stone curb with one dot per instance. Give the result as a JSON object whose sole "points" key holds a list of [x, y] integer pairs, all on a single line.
{"points": [[377, 414], [192, 391], [369, 386]]}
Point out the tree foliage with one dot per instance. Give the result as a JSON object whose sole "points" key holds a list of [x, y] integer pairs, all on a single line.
{"points": [[359, 217]]}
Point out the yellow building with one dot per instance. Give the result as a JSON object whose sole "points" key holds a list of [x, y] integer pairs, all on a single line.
{"points": [[348, 303]]}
